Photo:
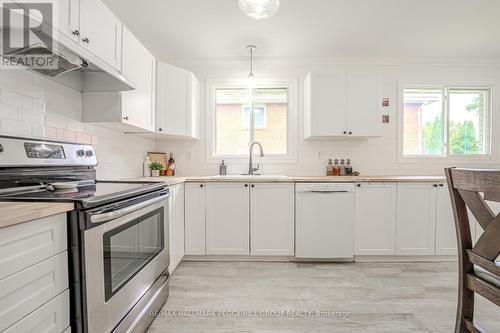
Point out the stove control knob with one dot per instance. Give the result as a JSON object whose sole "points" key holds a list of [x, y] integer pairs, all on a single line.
{"points": [[89, 153], [80, 153]]}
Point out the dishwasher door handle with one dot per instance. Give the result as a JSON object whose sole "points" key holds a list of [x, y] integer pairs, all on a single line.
{"points": [[327, 192]]}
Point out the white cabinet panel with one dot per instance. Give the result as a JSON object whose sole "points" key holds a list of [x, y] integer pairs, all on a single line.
{"points": [[271, 219], [195, 219], [26, 244], [416, 217], [446, 239], [177, 101], [227, 220], [25, 291], [341, 104], [375, 219], [52, 317], [363, 118], [326, 105], [100, 31], [67, 18], [176, 225]]}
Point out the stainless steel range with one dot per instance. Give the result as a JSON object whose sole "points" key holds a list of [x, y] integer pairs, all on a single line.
{"points": [[118, 232]]}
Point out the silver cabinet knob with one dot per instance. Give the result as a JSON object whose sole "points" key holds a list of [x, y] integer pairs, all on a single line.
{"points": [[125, 118], [86, 40], [76, 33]]}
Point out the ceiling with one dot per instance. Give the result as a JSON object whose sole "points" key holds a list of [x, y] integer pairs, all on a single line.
{"points": [[317, 28]]}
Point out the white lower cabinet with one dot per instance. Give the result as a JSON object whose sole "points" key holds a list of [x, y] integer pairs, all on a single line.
{"points": [[176, 225], [194, 219], [375, 219], [416, 219], [271, 219], [227, 218], [446, 239]]}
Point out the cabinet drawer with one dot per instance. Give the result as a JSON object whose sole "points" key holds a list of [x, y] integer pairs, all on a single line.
{"points": [[25, 291], [52, 317], [26, 244]]}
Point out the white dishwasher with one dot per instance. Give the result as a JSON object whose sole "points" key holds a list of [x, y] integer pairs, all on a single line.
{"points": [[324, 227]]}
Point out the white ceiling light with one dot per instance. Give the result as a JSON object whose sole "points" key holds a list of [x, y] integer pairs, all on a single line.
{"points": [[259, 9], [251, 77]]}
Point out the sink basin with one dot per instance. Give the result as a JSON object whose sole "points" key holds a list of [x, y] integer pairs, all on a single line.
{"points": [[250, 176]]}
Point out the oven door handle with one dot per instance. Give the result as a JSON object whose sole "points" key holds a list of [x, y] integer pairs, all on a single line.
{"points": [[105, 217]]}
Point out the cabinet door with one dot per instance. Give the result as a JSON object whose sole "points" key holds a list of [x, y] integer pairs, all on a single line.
{"points": [[326, 108], [176, 225], [363, 117], [227, 218], [415, 220], [68, 18], [100, 31], [172, 100], [375, 219], [194, 219], [271, 219], [446, 239], [139, 68]]}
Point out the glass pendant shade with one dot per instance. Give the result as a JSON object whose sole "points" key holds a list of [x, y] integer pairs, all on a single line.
{"points": [[259, 9]]}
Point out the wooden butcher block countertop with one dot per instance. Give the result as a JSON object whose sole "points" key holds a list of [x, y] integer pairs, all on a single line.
{"points": [[13, 212]]}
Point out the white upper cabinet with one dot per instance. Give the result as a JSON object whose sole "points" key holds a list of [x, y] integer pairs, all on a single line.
{"points": [[227, 219], [177, 102], [416, 219], [272, 219], [341, 104], [127, 111], [375, 219], [100, 31], [67, 19]]}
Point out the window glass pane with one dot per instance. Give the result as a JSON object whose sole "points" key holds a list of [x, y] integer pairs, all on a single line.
{"points": [[260, 117], [231, 137], [468, 130], [271, 120], [423, 122]]}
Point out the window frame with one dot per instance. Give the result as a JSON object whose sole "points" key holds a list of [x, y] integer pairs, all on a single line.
{"points": [[232, 83], [446, 157], [264, 109]]}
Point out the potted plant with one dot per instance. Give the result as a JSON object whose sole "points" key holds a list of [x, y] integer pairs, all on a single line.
{"points": [[155, 169]]}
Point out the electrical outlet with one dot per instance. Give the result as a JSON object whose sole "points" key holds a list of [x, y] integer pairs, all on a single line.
{"points": [[318, 156], [189, 156]]}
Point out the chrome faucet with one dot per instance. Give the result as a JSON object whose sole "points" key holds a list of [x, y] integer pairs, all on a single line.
{"points": [[251, 169]]}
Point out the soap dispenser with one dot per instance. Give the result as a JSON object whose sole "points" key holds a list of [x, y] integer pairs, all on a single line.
{"points": [[222, 169]]}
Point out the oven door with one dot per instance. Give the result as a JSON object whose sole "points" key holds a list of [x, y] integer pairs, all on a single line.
{"points": [[124, 255]]}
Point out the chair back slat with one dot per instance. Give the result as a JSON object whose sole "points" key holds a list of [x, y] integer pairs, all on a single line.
{"points": [[488, 245], [478, 207]]}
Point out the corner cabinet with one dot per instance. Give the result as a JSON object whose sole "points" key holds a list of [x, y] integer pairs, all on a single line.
{"points": [[177, 102], [341, 105], [127, 111]]}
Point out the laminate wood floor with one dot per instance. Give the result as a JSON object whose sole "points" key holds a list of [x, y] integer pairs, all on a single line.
{"points": [[294, 297]]}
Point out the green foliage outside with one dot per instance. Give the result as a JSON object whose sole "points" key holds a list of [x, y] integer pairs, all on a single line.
{"points": [[462, 136]]}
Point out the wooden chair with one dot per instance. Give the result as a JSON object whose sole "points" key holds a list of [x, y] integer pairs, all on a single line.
{"points": [[479, 269]]}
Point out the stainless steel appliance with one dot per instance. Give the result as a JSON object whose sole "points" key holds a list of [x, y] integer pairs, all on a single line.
{"points": [[118, 232]]}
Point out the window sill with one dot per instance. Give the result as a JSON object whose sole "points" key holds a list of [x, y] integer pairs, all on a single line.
{"points": [[447, 160]]}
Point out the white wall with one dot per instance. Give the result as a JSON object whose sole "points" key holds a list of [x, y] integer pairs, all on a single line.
{"points": [[377, 156], [33, 106]]}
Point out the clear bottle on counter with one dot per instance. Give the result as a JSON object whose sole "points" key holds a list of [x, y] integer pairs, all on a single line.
{"points": [[342, 168], [329, 168], [222, 169], [147, 171], [348, 168], [336, 168]]}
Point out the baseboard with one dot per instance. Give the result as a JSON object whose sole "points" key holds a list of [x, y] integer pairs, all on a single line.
{"points": [[236, 258], [449, 258]]}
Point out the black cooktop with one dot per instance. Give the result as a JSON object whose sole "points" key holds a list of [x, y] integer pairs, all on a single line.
{"points": [[96, 194]]}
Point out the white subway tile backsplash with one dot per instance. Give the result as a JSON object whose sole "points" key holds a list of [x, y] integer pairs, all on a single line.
{"points": [[15, 127], [8, 111], [33, 106]]}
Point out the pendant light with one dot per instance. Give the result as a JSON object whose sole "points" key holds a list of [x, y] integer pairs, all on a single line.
{"points": [[251, 77], [259, 9]]}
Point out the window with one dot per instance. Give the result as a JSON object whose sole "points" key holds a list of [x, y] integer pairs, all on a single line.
{"points": [[445, 121], [243, 115]]}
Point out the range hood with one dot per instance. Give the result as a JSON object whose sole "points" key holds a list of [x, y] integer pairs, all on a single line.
{"points": [[74, 66]]}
